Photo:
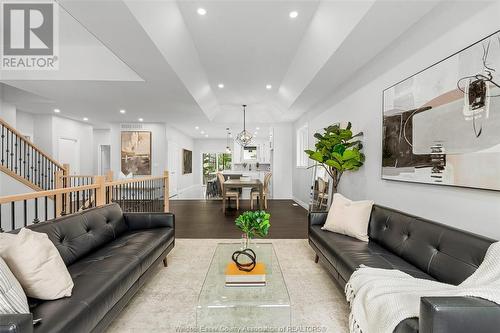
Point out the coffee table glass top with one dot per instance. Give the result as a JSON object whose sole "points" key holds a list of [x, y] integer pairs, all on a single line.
{"points": [[249, 307]]}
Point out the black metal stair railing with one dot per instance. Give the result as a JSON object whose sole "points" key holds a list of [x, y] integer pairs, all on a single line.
{"points": [[22, 159], [138, 195]]}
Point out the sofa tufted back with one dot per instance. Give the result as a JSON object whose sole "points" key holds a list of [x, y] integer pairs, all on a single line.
{"points": [[448, 254], [78, 234]]}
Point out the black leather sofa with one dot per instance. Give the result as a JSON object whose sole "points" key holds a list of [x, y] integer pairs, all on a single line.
{"points": [[421, 248], [109, 254]]}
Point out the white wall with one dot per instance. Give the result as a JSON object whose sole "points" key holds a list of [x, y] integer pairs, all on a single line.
{"points": [[43, 133], [282, 161], [25, 123], [182, 141], [8, 113], [441, 34]]}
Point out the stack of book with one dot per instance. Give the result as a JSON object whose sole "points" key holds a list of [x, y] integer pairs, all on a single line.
{"points": [[237, 278]]}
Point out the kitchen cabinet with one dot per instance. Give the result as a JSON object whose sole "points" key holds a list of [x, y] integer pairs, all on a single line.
{"points": [[237, 156]]}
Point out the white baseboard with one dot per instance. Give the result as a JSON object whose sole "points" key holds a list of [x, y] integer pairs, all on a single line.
{"points": [[301, 203]]}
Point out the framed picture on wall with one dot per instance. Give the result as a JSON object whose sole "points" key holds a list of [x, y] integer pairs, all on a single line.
{"points": [[442, 125], [136, 153], [187, 161]]}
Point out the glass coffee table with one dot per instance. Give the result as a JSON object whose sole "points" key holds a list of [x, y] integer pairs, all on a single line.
{"points": [[227, 309]]}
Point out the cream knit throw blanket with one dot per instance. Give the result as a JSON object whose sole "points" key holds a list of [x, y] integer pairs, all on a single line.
{"points": [[381, 298]]}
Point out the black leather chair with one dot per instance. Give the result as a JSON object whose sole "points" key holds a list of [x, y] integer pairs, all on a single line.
{"points": [[421, 248], [109, 254]]}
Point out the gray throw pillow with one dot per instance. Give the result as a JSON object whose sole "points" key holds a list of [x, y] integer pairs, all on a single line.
{"points": [[12, 296]]}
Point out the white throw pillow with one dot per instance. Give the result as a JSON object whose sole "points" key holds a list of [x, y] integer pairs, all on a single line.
{"points": [[36, 263], [12, 297], [349, 217]]}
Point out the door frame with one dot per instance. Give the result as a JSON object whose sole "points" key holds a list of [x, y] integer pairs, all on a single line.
{"points": [[99, 158]]}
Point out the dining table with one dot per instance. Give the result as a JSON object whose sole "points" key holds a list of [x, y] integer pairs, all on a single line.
{"points": [[237, 184]]}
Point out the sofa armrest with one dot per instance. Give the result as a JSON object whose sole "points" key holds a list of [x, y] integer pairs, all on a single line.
{"points": [[138, 221], [16, 323], [317, 218], [458, 315]]}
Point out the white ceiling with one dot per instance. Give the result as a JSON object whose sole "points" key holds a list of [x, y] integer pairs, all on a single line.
{"points": [[162, 62]]}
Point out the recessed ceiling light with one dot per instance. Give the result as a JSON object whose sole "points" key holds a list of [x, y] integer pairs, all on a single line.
{"points": [[202, 132], [122, 111], [293, 14], [201, 11], [269, 87], [85, 119], [141, 120], [57, 110], [257, 128], [220, 85], [206, 135], [197, 127]]}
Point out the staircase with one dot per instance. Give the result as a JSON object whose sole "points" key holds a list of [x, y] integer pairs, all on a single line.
{"points": [[25, 162]]}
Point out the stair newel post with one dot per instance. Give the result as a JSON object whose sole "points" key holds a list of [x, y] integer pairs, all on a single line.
{"points": [[100, 197], [109, 176], [59, 197], [166, 201], [66, 171]]}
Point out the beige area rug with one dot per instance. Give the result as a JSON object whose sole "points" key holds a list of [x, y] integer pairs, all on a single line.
{"points": [[167, 302]]}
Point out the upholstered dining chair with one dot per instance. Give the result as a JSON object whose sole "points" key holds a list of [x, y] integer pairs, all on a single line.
{"points": [[230, 193], [254, 194]]}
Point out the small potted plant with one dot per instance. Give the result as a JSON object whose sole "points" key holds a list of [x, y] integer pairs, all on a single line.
{"points": [[253, 223]]}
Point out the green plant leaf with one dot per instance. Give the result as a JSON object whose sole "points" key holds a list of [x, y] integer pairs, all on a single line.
{"points": [[339, 148], [317, 156], [333, 164], [350, 154]]}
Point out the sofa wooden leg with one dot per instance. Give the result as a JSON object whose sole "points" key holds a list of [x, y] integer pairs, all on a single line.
{"points": [[316, 259], [165, 263]]}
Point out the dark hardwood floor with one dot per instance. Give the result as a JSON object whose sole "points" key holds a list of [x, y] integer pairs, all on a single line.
{"points": [[204, 219]]}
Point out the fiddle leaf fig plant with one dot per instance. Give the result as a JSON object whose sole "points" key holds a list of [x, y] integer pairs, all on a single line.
{"points": [[338, 150]]}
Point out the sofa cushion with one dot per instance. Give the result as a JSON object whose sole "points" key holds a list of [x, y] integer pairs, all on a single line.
{"points": [[449, 255], [79, 234], [346, 254], [102, 278], [37, 264]]}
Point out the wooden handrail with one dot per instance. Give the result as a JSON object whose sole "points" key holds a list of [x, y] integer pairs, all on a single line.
{"points": [[78, 176], [49, 193], [21, 136]]}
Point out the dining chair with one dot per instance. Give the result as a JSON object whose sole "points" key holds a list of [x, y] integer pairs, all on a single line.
{"points": [[322, 192], [254, 194], [230, 193]]}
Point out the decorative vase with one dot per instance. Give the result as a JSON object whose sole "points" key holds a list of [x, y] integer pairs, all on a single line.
{"points": [[246, 241]]}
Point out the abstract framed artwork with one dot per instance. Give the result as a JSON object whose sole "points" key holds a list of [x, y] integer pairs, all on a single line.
{"points": [[187, 161], [136, 153], [442, 125]]}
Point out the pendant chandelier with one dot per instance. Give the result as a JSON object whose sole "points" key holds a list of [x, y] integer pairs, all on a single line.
{"points": [[228, 147], [244, 137]]}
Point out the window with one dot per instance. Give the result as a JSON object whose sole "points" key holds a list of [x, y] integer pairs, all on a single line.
{"points": [[224, 161], [214, 162], [302, 144]]}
